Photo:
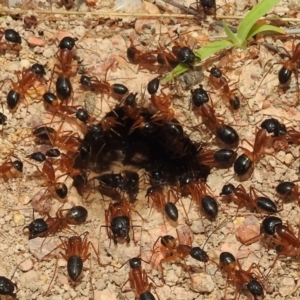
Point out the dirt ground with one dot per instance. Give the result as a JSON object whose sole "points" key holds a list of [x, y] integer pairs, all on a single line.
{"points": [[101, 48]]}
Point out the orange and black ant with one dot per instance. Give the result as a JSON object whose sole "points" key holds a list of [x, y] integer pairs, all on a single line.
{"points": [[289, 67], [287, 243], [8, 167], [189, 184], [160, 102], [68, 141], [102, 86], [12, 40], [239, 196], [243, 279], [244, 164], [174, 249], [27, 79], [219, 82], [118, 222], [145, 60], [138, 280], [225, 133], [220, 159], [76, 250], [45, 227]]}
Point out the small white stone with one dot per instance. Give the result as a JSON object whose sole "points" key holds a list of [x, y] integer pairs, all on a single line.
{"points": [[202, 283]]}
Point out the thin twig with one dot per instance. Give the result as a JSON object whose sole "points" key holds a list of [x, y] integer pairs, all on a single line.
{"points": [[108, 14]]}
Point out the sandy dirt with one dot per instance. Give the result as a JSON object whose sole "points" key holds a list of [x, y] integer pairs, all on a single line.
{"points": [[101, 48]]}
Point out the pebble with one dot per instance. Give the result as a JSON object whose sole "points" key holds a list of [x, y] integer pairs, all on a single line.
{"points": [[19, 219], [26, 265], [247, 233], [34, 41], [202, 283]]}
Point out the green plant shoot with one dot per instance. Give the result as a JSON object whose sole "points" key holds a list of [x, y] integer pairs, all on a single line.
{"points": [[246, 30]]}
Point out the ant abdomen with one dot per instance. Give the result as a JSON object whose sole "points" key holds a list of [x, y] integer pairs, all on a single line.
{"points": [[74, 267], [171, 211]]}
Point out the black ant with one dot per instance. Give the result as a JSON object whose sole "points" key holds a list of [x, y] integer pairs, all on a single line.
{"points": [[40, 227]]}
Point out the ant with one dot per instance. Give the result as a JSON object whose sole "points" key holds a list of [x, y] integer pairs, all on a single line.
{"points": [[156, 194], [161, 103], [145, 60], [118, 222], [138, 280], [220, 159], [219, 82], [8, 166], [40, 227], [244, 279], [64, 56], [27, 78], [242, 198], [244, 164], [173, 249], [13, 40], [226, 134], [190, 185], [288, 67], [76, 250], [287, 243], [102, 86], [69, 142], [288, 189], [127, 181]]}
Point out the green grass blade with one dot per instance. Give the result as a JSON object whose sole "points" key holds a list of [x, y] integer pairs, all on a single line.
{"points": [[212, 48], [230, 34], [264, 27], [252, 17], [181, 68]]}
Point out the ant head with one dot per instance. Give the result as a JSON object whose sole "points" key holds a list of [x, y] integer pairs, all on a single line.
{"points": [[36, 228], [77, 215], [38, 69], [199, 254], [227, 189], [168, 241], [135, 263], [269, 224], [18, 165], [61, 190], [12, 36], [226, 260], [67, 43]]}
